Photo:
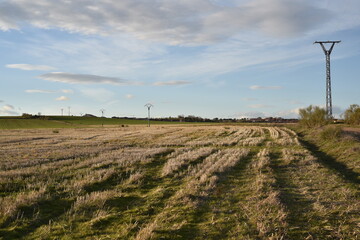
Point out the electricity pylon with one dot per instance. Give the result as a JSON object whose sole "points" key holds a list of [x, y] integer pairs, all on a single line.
{"points": [[102, 112], [148, 105], [328, 77]]}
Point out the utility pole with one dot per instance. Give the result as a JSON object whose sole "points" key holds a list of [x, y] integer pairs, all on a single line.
{"points": [[148, 105], [102, 112], [62, 112], [328, 77]]}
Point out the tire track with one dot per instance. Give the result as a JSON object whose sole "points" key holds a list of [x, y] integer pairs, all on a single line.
{"points": [[321, 205], [223, 215]]}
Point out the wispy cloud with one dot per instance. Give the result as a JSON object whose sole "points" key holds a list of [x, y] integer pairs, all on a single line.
{"points": [[30, 67], [291, 113], [171, 83], [62, 98], [253, 114], [129, 96], [8, 107], [173, 22], [39, 91], [81, 78], [8, 110], [257, 87], [67, 91]]}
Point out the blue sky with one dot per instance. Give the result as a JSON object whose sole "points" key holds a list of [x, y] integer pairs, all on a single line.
{"points": [[209, 58]]}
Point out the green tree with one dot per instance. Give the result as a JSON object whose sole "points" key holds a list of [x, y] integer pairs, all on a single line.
{"points": [[313, 116], [352, 114]]}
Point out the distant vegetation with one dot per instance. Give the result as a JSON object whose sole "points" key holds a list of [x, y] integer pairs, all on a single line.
{"points": [[42, 121], [313, 116], [35, 121], [18, 123], [352, 115]]}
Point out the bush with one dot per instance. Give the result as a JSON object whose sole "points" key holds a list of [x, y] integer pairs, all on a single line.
{"points": [[352, 115], [313, 116], [330, 133], [26, 116]]}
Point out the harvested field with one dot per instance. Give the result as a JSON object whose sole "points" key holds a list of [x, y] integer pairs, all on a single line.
{"points": [[172, 182]]}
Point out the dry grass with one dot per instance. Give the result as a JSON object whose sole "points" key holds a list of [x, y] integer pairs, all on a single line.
{"points": [[169, 182]]}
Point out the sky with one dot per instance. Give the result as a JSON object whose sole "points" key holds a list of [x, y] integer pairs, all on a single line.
{"points": [[208, 58]]}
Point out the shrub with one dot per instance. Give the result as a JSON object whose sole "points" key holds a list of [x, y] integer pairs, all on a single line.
{"points": [[313, 116], [26, 115], [352, 114], [331, 133]]}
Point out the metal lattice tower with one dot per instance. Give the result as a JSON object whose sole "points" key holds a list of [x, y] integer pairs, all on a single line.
{"points": [[148, 105], [328, 77], [102, 112]]}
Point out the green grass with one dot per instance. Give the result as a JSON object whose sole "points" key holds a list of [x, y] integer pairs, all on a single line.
{"points": [[71, 122], [338, 149], [96, 120], [31, 123]]}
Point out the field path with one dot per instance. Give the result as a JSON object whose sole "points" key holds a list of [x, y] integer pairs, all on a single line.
{"points": [[223, 216]]}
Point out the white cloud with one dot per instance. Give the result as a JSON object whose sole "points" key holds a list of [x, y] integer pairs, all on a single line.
{"points": [[98, 94], [141, 58], [173, 22], [81, 78], [62, 98], [8, 107], [8, 110], [171, 83], [70, 91], [250, 114], [30, 67], [129, 96], [39, 91], [257, 87], [292, 113]]}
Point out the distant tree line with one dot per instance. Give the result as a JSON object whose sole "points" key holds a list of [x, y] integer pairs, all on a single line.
{"points": [[31, 116], [192, 118]]}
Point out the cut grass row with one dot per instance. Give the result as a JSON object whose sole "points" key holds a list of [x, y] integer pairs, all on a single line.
{"points": [[133, 186]]}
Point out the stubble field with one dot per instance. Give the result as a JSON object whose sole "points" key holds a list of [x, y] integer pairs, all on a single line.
{"points": [[171, 182]]}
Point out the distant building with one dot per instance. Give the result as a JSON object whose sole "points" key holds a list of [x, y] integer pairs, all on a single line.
{"points": [[88, 115]]}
